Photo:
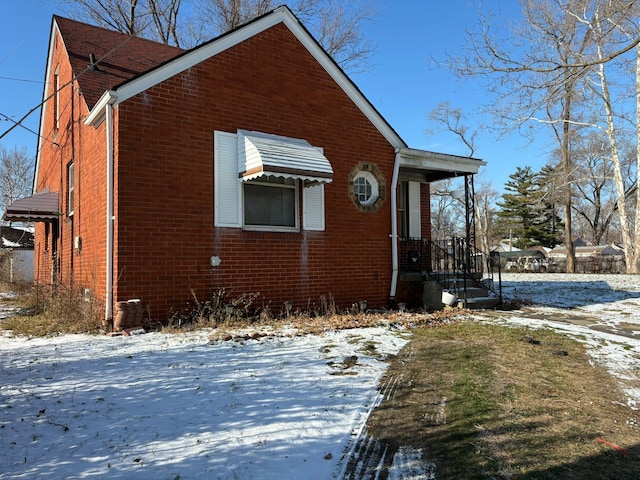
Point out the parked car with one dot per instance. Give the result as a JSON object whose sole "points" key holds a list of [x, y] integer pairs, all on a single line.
{"points": [[530, 264]]}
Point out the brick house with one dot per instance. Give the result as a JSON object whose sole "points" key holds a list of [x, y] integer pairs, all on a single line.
{"points": [[250, 163]]}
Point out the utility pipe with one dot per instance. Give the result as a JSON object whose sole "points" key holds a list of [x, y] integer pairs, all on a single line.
{"points": [[108, 314]]}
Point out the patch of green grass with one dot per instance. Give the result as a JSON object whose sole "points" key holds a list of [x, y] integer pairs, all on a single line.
{"points": [[485, 401]]}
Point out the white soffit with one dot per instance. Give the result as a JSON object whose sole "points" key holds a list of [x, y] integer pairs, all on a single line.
{"points": [[430, 161], [261, 154]]}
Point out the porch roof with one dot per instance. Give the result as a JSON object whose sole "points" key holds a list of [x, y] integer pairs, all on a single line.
{"points": [[41, 207], [435, 166]]}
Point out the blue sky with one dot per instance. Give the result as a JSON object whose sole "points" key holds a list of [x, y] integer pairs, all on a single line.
{"points": [[402, 83]]}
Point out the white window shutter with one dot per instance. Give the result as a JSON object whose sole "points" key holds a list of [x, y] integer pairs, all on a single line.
{"points": [[415, 219], [227, 188], [313, 207]]}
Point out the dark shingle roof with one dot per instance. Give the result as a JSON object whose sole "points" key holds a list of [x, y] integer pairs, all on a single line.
{"points": [[119, 57]]}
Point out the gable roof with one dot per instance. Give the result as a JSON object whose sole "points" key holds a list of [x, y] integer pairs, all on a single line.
{"points": [[127, 66], [190, 58], [118, 56]]}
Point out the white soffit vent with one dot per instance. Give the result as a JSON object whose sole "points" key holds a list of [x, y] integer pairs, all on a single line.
{"points": [[262, 154]]}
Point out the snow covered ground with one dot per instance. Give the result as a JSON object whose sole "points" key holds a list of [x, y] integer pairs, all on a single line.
{"points": [[159, 406], [179, 406]]}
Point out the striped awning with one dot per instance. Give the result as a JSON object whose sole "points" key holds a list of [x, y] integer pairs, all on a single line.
{"points": [[41, 207], [261, 154]]}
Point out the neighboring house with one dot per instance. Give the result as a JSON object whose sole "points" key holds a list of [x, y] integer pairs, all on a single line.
{"points": [[592, 258], [250, 163], [16, 254], [504, 247]]}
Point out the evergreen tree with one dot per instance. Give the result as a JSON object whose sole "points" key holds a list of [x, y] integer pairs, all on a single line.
{"points": [[550, 222], [528, 215]]}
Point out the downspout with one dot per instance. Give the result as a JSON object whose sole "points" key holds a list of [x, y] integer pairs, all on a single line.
{"points": [[108, 314], [394, 226]]}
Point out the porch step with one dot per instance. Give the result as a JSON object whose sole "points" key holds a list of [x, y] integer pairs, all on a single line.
{"points": [[471, 292], [477, 298], [452, 277], [479, 303]]}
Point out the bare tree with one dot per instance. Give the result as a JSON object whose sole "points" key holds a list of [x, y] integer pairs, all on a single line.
{"points": [[16, 174], [336, 24], [447, 215], [153, 19], [164, 15], [226, 15], [540, 72], [614, 47], [453, 121], [594, 203]]}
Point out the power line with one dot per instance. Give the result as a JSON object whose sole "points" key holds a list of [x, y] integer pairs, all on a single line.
{"points": [[21, 80], [70, 82], [9, 119]]}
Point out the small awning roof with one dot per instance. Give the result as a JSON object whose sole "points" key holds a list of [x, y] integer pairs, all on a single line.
{"points": [[261, 154], [435, 166], [41, 207]]}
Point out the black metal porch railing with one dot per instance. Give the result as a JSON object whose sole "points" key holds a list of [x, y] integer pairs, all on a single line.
{"points": [[454, 263]]}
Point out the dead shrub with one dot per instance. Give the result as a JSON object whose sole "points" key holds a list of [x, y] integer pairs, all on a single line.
{"points": [[55, 309], [217, 310]]}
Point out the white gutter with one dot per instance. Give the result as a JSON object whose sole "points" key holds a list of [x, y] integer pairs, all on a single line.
{"points": [[108, 314], [394, 226], [97, 113]]}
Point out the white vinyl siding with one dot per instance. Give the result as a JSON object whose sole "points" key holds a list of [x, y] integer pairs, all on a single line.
{"points": [[313, 207], [227, 188], [415, 220]]}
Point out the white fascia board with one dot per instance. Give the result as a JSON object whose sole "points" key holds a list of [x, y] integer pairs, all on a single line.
{"points": [[97, 114], [425, 160], [198, 55], [43, 110], [343, 80], [279, 15]]}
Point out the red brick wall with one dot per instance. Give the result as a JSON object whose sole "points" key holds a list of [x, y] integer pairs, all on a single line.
{"points": [[85, 146], [165, 213], [164, 233]]}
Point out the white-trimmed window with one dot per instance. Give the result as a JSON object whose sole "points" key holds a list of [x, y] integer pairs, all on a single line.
{"points": [[71, 189], [271, 203], [366, 188], [279, 197]]}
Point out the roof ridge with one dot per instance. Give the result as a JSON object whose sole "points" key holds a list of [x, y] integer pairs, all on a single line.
{"points": [[111, 31], [89, 46]]}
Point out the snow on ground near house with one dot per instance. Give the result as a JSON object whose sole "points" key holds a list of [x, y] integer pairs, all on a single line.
{"points": [[160, 406]]}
